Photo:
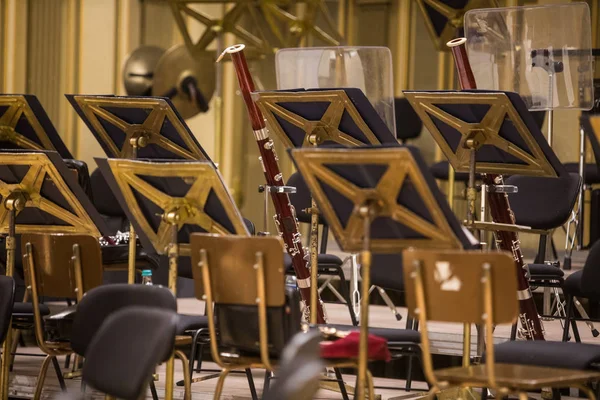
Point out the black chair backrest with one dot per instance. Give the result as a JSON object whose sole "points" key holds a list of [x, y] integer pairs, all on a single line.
{"points": [[103, 198], [82, 172], [591, 272], [588, 121], [300, 369], [531, 204], [7, 298], [408, 123], [102, 301], [539, 117], [128, 346]]}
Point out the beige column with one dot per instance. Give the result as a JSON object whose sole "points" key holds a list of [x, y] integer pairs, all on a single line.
{"points": [[14, 46]]}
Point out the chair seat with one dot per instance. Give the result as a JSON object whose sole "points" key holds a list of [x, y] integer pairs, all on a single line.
{"points": [[565, 355], [26, 309], [439, 170], [323, 260], [590, 172], [525, 377], [190, 323], [393, 336], [545, 271]]}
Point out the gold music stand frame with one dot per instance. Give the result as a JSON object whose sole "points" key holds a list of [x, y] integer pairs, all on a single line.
{"points": [[137, 136], [369, 204], [474, 135], [27, 193]]}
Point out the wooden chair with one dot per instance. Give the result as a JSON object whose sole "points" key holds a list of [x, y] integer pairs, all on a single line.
{"points": [[242, 277], [60, 266], [477, 288]]}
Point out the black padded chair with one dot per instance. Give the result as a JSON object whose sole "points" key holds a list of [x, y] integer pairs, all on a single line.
{"points": [[329, 264], [408, 123], [122, 356], [106, 203], [582, 284], [100, 303], [440, 169], [591, 171], [299, 370]]}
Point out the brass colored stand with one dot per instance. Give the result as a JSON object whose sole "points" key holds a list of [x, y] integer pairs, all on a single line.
{"points": [[378, 197], [82, 218]]}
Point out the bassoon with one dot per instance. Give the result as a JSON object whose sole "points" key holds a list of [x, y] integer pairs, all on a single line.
{"points": [[285, 214], [500, 211]]}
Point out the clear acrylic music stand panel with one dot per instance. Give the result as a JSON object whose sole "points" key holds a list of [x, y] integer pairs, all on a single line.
{"points": [[366, 68], [541, 52]]}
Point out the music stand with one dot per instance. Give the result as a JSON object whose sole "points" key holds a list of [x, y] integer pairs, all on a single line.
{"points": [[302, 118], [167, 200], [24, 124], [488, 132], [39, 195], [381, 200], [132, 127]]}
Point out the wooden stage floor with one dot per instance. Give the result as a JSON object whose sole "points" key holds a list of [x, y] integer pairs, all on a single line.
{"points": [[446, 339]]}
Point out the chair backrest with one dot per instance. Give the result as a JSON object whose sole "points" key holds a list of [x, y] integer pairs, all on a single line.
{"points": [[126, 349], [591, 126], [300, 369], [408, 123], [7, 298], [450, 282], [458, 286], [590, 275], [58, 261], [103, 198], [102, 301], [531, 206], [243, 278]]}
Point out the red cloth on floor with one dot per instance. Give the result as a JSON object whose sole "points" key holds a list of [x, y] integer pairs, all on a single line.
{"points": [[347, 347]]}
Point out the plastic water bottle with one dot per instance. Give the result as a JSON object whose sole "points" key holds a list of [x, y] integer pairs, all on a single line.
{"points": [[147, 277]]}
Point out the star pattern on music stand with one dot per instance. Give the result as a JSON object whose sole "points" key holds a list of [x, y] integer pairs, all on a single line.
{"points": [[149, 131], [326, 129], [190, 208], [16, 108], [41, 170], [298, 28], [401, 168], [531, 158]]}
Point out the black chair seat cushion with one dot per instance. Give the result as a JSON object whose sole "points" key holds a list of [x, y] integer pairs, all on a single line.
{"points": [[439, 170], [545, 270], [26, 310], [391, 335], [191, 322], [324, 260], [567, 355], [590, 172], [531, 204]]}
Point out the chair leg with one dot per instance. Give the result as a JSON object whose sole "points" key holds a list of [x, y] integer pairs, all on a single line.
{"points": [[153, 390], [220, 383], [575, 331], [13, 349], [42, 377], [340, 379], [513, 331], [409, 367], [187, 375], [267, 383], [568, 316], [194, 351], [59, 375], [251, 384]]}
